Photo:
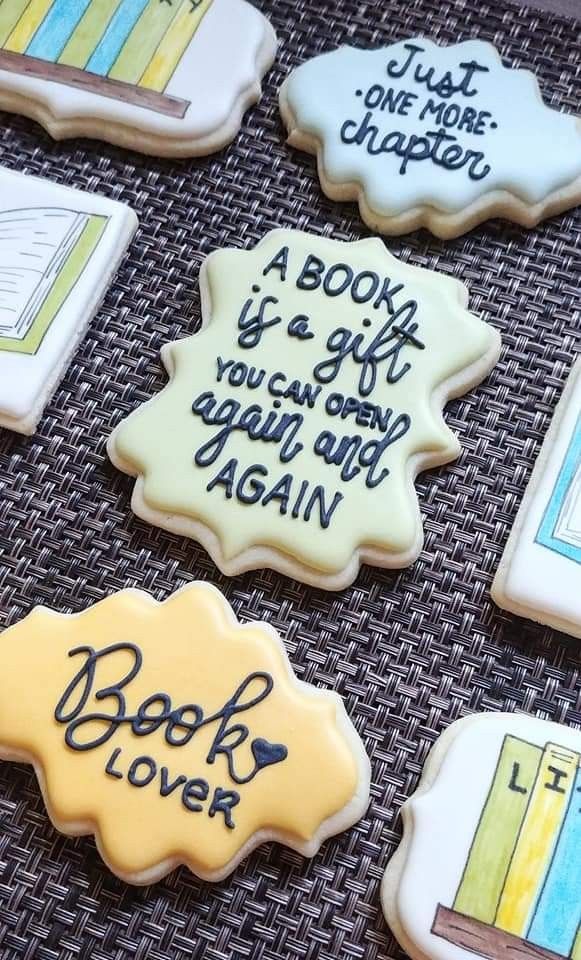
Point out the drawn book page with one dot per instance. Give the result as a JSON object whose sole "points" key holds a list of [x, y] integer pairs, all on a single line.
{"points": [[43, 252]]}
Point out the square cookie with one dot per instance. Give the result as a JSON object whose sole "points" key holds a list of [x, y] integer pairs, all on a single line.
{"points": [[59, 249], [540, 572]]}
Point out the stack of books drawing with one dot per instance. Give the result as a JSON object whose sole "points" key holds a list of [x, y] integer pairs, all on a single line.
{"points": [[520, 892], [124, 49], [43, 253]]}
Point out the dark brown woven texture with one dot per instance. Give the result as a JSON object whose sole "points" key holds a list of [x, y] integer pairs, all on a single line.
{"points": [[409, 652]]}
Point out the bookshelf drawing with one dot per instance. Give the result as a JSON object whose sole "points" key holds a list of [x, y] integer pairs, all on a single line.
{"points": [[122, 49], [520, 892], [43, 254], [560, 528]]}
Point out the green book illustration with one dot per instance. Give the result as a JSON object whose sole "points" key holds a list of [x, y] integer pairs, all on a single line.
{"points": [[43, 253], [495, 839]]}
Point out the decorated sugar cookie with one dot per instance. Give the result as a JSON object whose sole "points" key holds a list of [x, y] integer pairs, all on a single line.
{"points": [[166, 77], [540, 572], [440, 137], [294, 424], [489, 863], [175, 734], [59, 250]]}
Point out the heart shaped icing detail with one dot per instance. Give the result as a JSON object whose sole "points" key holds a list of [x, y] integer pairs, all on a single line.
{"points": [[266, 753]]}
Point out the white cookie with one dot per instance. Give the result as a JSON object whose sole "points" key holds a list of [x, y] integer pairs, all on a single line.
{"points": [[539, 576], [489, 861], [440, 137], [59, 250], [167, 77]]}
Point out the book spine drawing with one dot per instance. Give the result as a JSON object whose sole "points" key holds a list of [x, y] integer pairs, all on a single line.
{"points": [[123, 49], [521, 886], [43, 253]]}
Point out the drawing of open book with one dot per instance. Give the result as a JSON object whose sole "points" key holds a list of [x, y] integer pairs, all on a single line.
{"points": [[123, 49], [43, 253], [560, 528]]}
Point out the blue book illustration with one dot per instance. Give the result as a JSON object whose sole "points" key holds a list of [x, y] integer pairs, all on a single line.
{"points": [[558, 912]]}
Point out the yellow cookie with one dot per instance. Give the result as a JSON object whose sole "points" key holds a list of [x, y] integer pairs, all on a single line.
{"points": [[175, 734]]}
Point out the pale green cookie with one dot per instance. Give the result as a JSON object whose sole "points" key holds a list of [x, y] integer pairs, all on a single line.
{"points": [[295, 422]]}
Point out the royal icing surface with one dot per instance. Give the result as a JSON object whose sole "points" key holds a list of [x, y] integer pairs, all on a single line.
{"points": [[172, 78], [415, 125], [297, 419], [540, 572], [489, 865], [175, 734], [58, 251]]}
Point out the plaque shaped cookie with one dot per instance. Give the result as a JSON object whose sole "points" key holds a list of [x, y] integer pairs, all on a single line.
{"points": [[59, 250], [440, 137], [166, 77], [489, 863], [176, 735], [295, 422], [540, 572]]}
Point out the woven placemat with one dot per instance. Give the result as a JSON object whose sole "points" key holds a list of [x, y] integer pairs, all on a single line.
{"points": [[409, 652]]}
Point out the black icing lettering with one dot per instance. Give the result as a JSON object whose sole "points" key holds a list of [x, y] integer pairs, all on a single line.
{"points": [[224, 801], [110, 768], [308, 502], [344, 281], [396, 70], [274, 427], [451, 115], [296, 511], [82, 684], [228, 737], [480, 125], [384, 348], [278, 262], [256, 488], [413, 148], [275, 379], [222, 367], [195, 790], [366, 277], [466, 121], [311, 274], [281, 492], [225, 478], [386, 295], [252, 326], [168, 786], [445, 86], [353, 455], [145, 778], [299, 327], [317, 499], [374, 96], [237, 374]]}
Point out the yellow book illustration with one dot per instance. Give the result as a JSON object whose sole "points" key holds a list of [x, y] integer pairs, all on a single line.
{"points": [[537, 838], [27, 25]]}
